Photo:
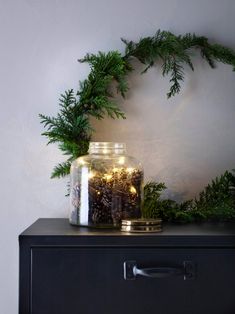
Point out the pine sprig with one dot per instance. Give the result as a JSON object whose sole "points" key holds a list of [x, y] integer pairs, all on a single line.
{"points": [[177, 75], [70, 129], [104, 69], [61, 170]]}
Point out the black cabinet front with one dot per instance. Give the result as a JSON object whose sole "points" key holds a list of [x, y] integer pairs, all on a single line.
{"points": [[93, 280]]}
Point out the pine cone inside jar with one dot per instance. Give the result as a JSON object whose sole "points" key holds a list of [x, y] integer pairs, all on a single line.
{"points": [[114, 195]]}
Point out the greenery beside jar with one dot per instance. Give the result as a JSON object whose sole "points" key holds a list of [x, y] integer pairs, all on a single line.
{"points": [[215, 203]]}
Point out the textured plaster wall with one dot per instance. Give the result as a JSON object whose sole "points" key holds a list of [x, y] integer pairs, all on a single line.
{"points": [[184, 141]]}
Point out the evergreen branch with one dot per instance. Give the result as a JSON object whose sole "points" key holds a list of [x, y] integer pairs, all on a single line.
{"points": [[94, 91], [74, 149], [223, 54], [72, 131], [214, 203], [61, 170], [67, 99], [165, 46], [177, 75], [48, 122], [101, 105]]}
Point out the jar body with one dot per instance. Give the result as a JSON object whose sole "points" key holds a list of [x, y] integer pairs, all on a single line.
{"points": [[106, 186]]}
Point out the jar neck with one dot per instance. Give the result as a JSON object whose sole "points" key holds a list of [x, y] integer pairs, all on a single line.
{"points": [[107, 148]]}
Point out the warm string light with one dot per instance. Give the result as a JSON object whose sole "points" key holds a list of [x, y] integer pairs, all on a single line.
{"points": [[130, 170], [109, 176], [81, 161], [91, 175], [133, 190], [121, 160]]}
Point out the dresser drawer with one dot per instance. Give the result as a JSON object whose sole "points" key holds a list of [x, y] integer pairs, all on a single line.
{"points": [[91, 280]]}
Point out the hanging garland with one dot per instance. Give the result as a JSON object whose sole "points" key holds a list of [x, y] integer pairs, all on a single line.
{"points": [[71, 128]]}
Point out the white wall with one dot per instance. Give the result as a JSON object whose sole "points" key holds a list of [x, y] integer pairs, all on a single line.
{"points": [[184, 141]]}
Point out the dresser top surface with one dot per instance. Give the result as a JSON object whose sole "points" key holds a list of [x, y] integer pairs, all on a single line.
{"points": [[61, 227]]}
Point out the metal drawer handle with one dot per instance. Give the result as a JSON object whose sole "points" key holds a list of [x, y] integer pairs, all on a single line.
{"points": [[157, 272], [131, 271]]}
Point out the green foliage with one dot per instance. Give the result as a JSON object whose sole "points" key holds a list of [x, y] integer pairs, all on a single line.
{"points": [[61, 170], [104, 69], [215, 202], [71, 128], [94, 93], [174, 52]]}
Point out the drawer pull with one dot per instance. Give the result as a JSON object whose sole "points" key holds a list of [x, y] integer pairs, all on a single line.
{"points": [[131, 271]]}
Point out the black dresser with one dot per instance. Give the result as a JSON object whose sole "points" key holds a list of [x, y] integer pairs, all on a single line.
{"points": [[186, 269]]}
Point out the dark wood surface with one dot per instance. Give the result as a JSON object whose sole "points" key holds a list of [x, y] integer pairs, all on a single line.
{"points": [[61, 226], [69, 270], [205, 234]]}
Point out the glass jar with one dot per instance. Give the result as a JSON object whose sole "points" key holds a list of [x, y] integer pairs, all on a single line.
{"points": [[106, 186]]}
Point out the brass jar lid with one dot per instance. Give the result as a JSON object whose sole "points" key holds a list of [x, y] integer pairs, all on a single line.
{"points": [[141, 229], [141, 222], [141, 225]]}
